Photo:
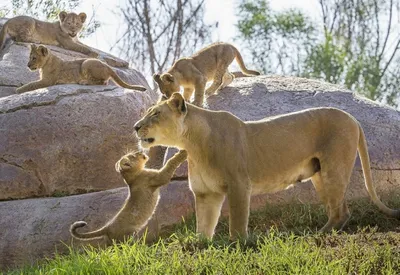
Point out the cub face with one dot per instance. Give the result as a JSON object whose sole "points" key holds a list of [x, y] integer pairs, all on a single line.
{"points": [[37, 57], [167, 83], [71, 23], [163, 123], [135, 161]]}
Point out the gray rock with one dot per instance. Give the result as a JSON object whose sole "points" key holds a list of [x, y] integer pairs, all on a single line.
{"points": [[35, 228], [254, 98], [64, 138]]}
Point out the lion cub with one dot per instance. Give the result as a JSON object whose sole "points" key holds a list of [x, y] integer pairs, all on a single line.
{"points": [[144, 193], [60, 33], [54, 70], [210, 63]]}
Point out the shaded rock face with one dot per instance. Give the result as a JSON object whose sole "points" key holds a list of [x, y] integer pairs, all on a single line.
{"points": [[32, 229], [64, 139], [254, 98]]}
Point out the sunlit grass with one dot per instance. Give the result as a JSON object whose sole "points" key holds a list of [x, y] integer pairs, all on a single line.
{"points": [[283, 240]]}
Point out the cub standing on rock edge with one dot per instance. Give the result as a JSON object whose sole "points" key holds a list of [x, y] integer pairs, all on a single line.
{"points": [[210, 63], [237, 159], [54, 70], [144, 193], [60, 33]]}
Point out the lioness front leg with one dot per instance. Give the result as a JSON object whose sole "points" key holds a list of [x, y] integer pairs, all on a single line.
{"points": [[239, 208], [33, 86], [208, 210]]}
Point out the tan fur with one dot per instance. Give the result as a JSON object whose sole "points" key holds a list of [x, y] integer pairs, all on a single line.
{"points": [[54, 70], [229, 157], [60, 33], [144, 193], [192, 73]]}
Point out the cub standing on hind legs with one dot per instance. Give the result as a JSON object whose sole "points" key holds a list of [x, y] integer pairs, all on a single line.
{"points": [[60, 33], [210, 63], [144, 193], [54, 70]]}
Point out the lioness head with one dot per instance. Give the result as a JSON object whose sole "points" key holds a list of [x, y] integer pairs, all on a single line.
{"points": [[71, 23], [163, 123], [131, 162], [167, 83], [38, 57]]}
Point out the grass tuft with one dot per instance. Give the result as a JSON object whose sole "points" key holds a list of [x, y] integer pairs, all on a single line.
{"points": [[283, 240]]}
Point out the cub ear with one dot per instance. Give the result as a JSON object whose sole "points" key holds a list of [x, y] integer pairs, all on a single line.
{"points": [[33, 47], [167, 77], [43, 50], [177, 103], [157, 78], [62, 15], [83, 17]]}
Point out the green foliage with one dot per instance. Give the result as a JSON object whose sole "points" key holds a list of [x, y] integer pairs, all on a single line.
{"points": [[291, 246], [278, 41], [354, 43]]}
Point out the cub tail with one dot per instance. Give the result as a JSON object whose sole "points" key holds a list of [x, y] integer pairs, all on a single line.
{"points": [[122, 83], [86, 236], [239, 60]]}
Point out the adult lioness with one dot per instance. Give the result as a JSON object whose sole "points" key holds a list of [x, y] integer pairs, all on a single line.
{"points": [[144, 192], [227, 156], [54, 70], [60, 33], [193, 73]]}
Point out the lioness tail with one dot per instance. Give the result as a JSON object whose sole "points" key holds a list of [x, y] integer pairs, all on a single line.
{"points": [[365, 163]]}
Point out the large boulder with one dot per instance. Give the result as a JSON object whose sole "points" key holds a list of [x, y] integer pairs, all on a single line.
{"points": [[35, 228], [64, 139], [254, 98]]}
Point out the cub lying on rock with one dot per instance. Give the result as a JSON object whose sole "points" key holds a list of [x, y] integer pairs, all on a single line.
{"points": [[144, 193], [237, 159], [54, 70], [60, 33]]}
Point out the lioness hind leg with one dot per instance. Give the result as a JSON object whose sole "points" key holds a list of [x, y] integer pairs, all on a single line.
{"points": [[208, 209], [331, 191]]}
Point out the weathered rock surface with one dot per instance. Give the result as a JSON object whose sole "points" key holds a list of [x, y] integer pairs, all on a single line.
{"points": [[34, 228], [254, 98], [64, 138]]}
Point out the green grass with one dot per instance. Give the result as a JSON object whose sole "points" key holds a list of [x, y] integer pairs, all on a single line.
{"points": [[283, 240]]}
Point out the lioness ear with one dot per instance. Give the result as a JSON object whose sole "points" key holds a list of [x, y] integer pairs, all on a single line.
{"points": [[62, 15], [82, 16], [167, 77], [43, 50], [177, 103]]}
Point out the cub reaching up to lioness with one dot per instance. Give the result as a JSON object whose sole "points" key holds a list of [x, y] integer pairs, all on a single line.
{"points": [[210, 63], [144, 193], [60, 33], [54, 70]]}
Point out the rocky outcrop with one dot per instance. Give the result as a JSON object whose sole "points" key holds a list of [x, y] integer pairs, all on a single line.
{"points": [[64, 139], [35, 228]]}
